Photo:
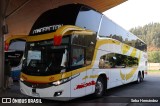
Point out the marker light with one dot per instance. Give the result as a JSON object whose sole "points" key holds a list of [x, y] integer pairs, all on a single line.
{"points": [[57, 40], [6, 46], [61, 81]]}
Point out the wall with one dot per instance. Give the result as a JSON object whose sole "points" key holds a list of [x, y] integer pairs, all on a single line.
{"points": [[153, 66]]}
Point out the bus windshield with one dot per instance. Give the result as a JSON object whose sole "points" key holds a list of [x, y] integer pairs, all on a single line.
{"points": [[43, 58], [14, 57]]}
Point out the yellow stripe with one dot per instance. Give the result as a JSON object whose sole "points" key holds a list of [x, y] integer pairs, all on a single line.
{"points": [[74, 72], [66, 75], [125, 48], [67, 28], [94, 76], [51, 78], [41, 37], [134, 52], [106, 41], [140, 54], [62, 31], [85, 78], [23, 37], [122, 75], [91, 76], [40, 79], [131, 73]]}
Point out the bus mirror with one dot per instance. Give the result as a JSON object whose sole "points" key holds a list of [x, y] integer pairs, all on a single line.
{"points": [[114, 58], [90, 44]]}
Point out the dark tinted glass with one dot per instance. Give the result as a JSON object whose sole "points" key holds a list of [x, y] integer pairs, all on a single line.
{"points": [[111, 30], [107, 28], [14, 57], [88, 42], [42, 58], [88, 19], [114, 60], [52, 19]]}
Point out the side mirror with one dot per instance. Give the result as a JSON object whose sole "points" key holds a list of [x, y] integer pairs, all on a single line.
{"points": [[90, 44]]}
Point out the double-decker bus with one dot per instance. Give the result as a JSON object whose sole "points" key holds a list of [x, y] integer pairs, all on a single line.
{"points": [[14, 48], [73, 51]]}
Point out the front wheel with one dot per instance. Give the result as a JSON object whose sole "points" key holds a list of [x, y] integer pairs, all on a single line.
{"points": [[99, 87]]}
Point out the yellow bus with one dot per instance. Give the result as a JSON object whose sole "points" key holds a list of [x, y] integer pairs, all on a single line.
{"points": [[73, 51], [14, 48]]}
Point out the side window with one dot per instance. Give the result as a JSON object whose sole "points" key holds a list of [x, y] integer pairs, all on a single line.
{"points": [[77, 56], [17, 45], [140, 45], [107, 28], [114, 60], [106, 61], [87, 42], [85, 19]]}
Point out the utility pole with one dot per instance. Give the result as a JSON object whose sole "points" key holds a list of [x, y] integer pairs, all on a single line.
{"points": [[3, 4]]}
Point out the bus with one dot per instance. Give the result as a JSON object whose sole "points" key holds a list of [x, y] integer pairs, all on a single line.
{"points": [[14, 48], [74, 50]]}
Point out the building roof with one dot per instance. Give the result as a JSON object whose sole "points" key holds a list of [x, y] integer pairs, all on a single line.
{"points": [[21, 14]]}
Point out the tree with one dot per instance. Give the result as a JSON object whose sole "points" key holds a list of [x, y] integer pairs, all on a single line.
{"points": [[154, 57], [149, 33]]}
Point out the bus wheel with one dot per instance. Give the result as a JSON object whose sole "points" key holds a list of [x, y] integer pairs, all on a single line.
{"points": [[142, 76], [99, 87], [139, 78]]}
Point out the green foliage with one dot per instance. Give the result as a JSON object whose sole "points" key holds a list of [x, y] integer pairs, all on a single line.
{"points": [[149, 33], [154, 56]]}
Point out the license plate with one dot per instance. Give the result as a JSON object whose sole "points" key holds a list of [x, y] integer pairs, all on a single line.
{"points": [[35, 94]]}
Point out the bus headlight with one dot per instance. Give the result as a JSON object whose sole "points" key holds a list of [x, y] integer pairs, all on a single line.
{"points": [[21, 79], [61, 81], [57, 83]]}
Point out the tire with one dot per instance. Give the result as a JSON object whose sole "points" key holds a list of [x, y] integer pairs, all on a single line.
{"points": [[99, 87], [139, 78], [142, 77]]}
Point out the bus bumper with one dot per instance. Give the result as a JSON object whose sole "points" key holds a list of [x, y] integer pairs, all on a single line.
{"points": [[61, 92]]}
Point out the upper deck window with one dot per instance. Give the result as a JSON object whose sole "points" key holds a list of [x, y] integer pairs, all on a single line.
{"points": [[88, 19], [52, 19]]}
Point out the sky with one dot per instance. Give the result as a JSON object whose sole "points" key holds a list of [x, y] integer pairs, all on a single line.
{"points": [[134, 13]]}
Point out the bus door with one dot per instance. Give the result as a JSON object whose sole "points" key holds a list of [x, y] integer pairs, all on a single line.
{"points": [[79, 71], [89, 80]]}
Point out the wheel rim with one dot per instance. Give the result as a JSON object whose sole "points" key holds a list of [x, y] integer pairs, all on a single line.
{"points": [[99, 87]]}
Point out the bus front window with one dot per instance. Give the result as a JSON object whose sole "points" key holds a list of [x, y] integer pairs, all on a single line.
{"points": [[42, 59]]}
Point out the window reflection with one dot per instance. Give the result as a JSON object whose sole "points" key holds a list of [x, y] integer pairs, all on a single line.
{"points": [[114, 60], [77, 56], [110, 30]]}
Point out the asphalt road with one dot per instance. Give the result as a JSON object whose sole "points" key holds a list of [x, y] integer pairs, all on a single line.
{"points": [[119, 96]]}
